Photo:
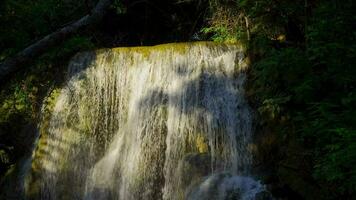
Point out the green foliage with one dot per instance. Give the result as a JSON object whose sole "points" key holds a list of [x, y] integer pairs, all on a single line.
{"points": [[23, 22], [69, 47], [259, 18], [226, 23], [304, 73], [332, 116], [319, 83], [20, 99], [22, 94], [219, 33], [119, 7]]}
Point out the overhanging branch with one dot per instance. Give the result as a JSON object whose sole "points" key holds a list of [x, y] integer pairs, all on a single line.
{"points": [[15, 63]]}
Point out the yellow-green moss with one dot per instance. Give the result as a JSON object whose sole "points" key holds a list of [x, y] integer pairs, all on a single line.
{"points": [[181, 48], [201, 144], [48, 106]]}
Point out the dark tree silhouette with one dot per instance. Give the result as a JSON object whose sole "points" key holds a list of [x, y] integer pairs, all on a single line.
{"points": [[33, 51]]}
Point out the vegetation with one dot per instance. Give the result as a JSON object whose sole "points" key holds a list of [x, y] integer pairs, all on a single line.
{"points": [[302, 81], [21, 97], [24, 23]]}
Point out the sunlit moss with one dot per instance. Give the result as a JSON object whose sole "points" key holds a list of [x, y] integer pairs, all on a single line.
{"points": [[180, 48], [52, 98], [32, 185], [201, 144]]}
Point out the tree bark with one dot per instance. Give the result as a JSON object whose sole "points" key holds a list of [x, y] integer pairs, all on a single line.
{"points": [[247, 28], [15, 63]]}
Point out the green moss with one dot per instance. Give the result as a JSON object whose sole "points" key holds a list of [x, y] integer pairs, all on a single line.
{"points": [[51, 100], [181, 48], [201, 144]]}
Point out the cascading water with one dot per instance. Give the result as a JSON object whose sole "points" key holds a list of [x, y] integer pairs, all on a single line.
{"points": [[164, 122]]}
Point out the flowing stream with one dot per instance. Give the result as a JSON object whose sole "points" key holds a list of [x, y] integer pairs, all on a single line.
{"points": [[164, 122]]}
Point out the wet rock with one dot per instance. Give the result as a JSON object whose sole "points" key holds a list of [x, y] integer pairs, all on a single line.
{"points": [[224, 186], [198, 161], [194, 166], [264, 195]]}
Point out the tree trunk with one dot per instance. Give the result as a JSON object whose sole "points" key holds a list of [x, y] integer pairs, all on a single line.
{"points": [[15, 63]]}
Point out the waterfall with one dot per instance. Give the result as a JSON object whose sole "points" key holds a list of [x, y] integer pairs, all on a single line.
{"points": [[163, 122]]}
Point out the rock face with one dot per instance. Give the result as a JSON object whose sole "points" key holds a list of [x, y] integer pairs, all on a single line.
{"points": [[162, 122], [264, 195], [224, 186], [12, 185], [194, 167], [283, 166]]}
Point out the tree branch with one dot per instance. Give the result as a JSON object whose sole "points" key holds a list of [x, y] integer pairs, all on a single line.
{"points": [[33, 51]]}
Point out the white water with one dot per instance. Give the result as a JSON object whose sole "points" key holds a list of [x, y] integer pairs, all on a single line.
{"points": [[226, 186], [166, 122]]}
